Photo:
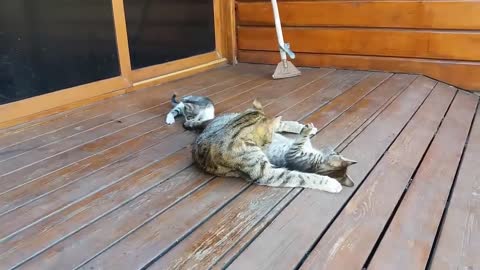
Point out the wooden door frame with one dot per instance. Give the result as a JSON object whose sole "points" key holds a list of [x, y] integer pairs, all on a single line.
{"points": [[129, 80]]}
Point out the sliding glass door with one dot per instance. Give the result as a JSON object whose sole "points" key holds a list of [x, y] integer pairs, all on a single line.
{"points": [[161, 31], [49, 45]]}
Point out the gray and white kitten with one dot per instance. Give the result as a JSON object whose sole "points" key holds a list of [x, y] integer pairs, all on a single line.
{"points": [[195, 109], [298, 154]]}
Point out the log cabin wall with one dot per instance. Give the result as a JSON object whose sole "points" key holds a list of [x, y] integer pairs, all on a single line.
{"points": [[440, 39]]}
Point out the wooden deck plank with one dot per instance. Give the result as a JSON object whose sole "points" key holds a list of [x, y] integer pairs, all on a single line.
{"points": [[231, 253], [206, 245], [166, 190], [350, 238], [23, 193], [409, 238], [177, 221], [16, 221], [355, 116], [357, 93], [266, 93], [126, 128], [459, 238], [115, 114], [144, 260], [142, 99], [305, 108], [191, 252], [368, 147], [164, 200], [314, 74]]}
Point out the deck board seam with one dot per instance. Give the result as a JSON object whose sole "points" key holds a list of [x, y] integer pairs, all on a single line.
{"points": [[452, 189], [191, 229], [402, 196], [140, 193]]}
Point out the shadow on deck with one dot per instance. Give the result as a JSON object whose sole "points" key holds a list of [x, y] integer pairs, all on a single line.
{"points": [[110, 186]]}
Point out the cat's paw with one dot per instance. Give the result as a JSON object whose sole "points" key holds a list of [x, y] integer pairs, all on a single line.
{"points": [[332, 186], [170, 119], [309, 130]]}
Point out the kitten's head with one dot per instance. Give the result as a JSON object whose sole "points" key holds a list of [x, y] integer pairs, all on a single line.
{"points": [[190, 111], [335, 165]]}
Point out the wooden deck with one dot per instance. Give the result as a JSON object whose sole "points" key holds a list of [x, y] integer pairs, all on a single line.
{"points": [[110, 186]]}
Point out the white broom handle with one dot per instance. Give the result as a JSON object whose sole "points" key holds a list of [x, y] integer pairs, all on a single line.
{"points": [[278, 28]]}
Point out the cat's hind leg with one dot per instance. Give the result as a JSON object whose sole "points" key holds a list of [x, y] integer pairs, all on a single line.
{"points": [[260, 171]]}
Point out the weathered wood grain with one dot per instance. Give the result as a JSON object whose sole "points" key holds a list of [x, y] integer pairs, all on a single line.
{"points": [[410, 235], [353, 234], [459, 236], [317, 209]]}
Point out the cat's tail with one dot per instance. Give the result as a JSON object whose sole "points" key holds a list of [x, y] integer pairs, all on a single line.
{"points": [[173, 100]]}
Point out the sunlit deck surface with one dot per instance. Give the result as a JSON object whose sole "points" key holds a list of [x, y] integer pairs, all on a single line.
{"points": [[110, 186]]}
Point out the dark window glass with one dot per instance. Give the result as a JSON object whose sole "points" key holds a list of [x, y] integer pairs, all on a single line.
{"points": [[47, 45], [164, 30]]}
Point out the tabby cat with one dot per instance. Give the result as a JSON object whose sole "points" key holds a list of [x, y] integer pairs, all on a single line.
{"points": [[298, 154], [195, 109], [233, 145]]}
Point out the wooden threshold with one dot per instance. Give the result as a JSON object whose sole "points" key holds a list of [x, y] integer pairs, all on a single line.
{"points": [[147, 73], [180, 73], [31, 108]]}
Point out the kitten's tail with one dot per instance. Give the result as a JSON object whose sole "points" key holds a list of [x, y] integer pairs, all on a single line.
{"points": [[173, 100]]}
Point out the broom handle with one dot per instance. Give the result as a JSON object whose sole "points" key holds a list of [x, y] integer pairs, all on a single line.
{"points": [[278, 28]]}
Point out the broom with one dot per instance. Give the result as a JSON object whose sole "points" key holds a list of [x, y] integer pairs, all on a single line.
{"points": [[285, 69]]}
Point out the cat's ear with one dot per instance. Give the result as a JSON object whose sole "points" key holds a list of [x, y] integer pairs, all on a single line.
{"points": [[257, 105], [347, 162], [276, 121]]}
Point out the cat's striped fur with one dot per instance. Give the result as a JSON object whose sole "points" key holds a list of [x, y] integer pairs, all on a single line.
{"points": [[233, 145], [298, 154], [197, 110]]}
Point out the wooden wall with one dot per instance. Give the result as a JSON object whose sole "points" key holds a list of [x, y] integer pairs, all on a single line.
{"points": [[440, 39]]}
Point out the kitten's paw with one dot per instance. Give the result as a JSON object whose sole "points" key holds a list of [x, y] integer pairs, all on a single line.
{"points": [[314, 130], [332, 186], [306, 131], [170, 119]]}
